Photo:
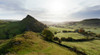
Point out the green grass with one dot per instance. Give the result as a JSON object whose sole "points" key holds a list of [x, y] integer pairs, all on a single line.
{"points": [[2, 41], [97, 30], [93, 29], [88, 47], [53, 50], [73, 35], [10, 29], [55, 29], [30, 43]]}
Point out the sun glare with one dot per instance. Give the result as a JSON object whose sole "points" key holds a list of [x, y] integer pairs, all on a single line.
{"points": [[56, 6], [52, 9], [60, 6]]}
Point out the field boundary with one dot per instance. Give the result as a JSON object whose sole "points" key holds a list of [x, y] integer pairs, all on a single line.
{"points": [[72, 49]]}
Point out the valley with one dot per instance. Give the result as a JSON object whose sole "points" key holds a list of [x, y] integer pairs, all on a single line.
{"points": [[31, 37]]}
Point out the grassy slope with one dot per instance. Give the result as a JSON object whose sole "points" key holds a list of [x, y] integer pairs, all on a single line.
{"points": [[31, 44], [53, 50], [10, 29], [89, 47], [2, 41]]}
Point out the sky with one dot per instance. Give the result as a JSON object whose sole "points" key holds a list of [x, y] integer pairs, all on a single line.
{"points": [[50, 10]]}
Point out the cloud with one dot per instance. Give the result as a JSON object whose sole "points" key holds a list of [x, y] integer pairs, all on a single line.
{"points": [[11, 5], [89, 12], [9, 9], [15, 9]]}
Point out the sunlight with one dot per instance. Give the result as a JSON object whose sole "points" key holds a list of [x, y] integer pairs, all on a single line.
{"points": [[52, 9], [60, 6], [56, 6], [60, 9]]}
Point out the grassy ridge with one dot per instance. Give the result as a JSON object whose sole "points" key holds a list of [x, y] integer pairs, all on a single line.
{"points": [[31, 43]]}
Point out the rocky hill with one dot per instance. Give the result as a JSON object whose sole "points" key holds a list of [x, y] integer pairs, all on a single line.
{"points": [[31, 24]]}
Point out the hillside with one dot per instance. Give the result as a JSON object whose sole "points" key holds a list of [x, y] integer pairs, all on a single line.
{"points": [[31, 43], [83, 23], [10, 29], [90, 22], [31, 24]]}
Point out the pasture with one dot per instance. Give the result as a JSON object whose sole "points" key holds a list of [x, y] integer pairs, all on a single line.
{"points": [[88, 47]]}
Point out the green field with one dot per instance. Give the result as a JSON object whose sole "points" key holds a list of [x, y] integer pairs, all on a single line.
{"points": [[73, 35], [88, 47], [87, 28], [55, 29], [97, 30]]}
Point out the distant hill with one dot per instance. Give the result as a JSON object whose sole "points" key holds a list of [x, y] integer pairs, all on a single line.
{"points": [[90, 22], [4, 22], [10, 29], [85, 23]]}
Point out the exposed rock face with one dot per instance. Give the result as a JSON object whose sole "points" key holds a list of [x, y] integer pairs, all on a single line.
{"points": [[31, 24]]}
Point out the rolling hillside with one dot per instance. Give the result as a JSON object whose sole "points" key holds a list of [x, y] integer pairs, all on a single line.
{"points": [[90, 22], [83, 24]]}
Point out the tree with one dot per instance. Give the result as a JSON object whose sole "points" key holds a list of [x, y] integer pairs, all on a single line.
{"points": [[63, 38], [56, 38], [55, 32], [59, 40], [47, 34]]}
